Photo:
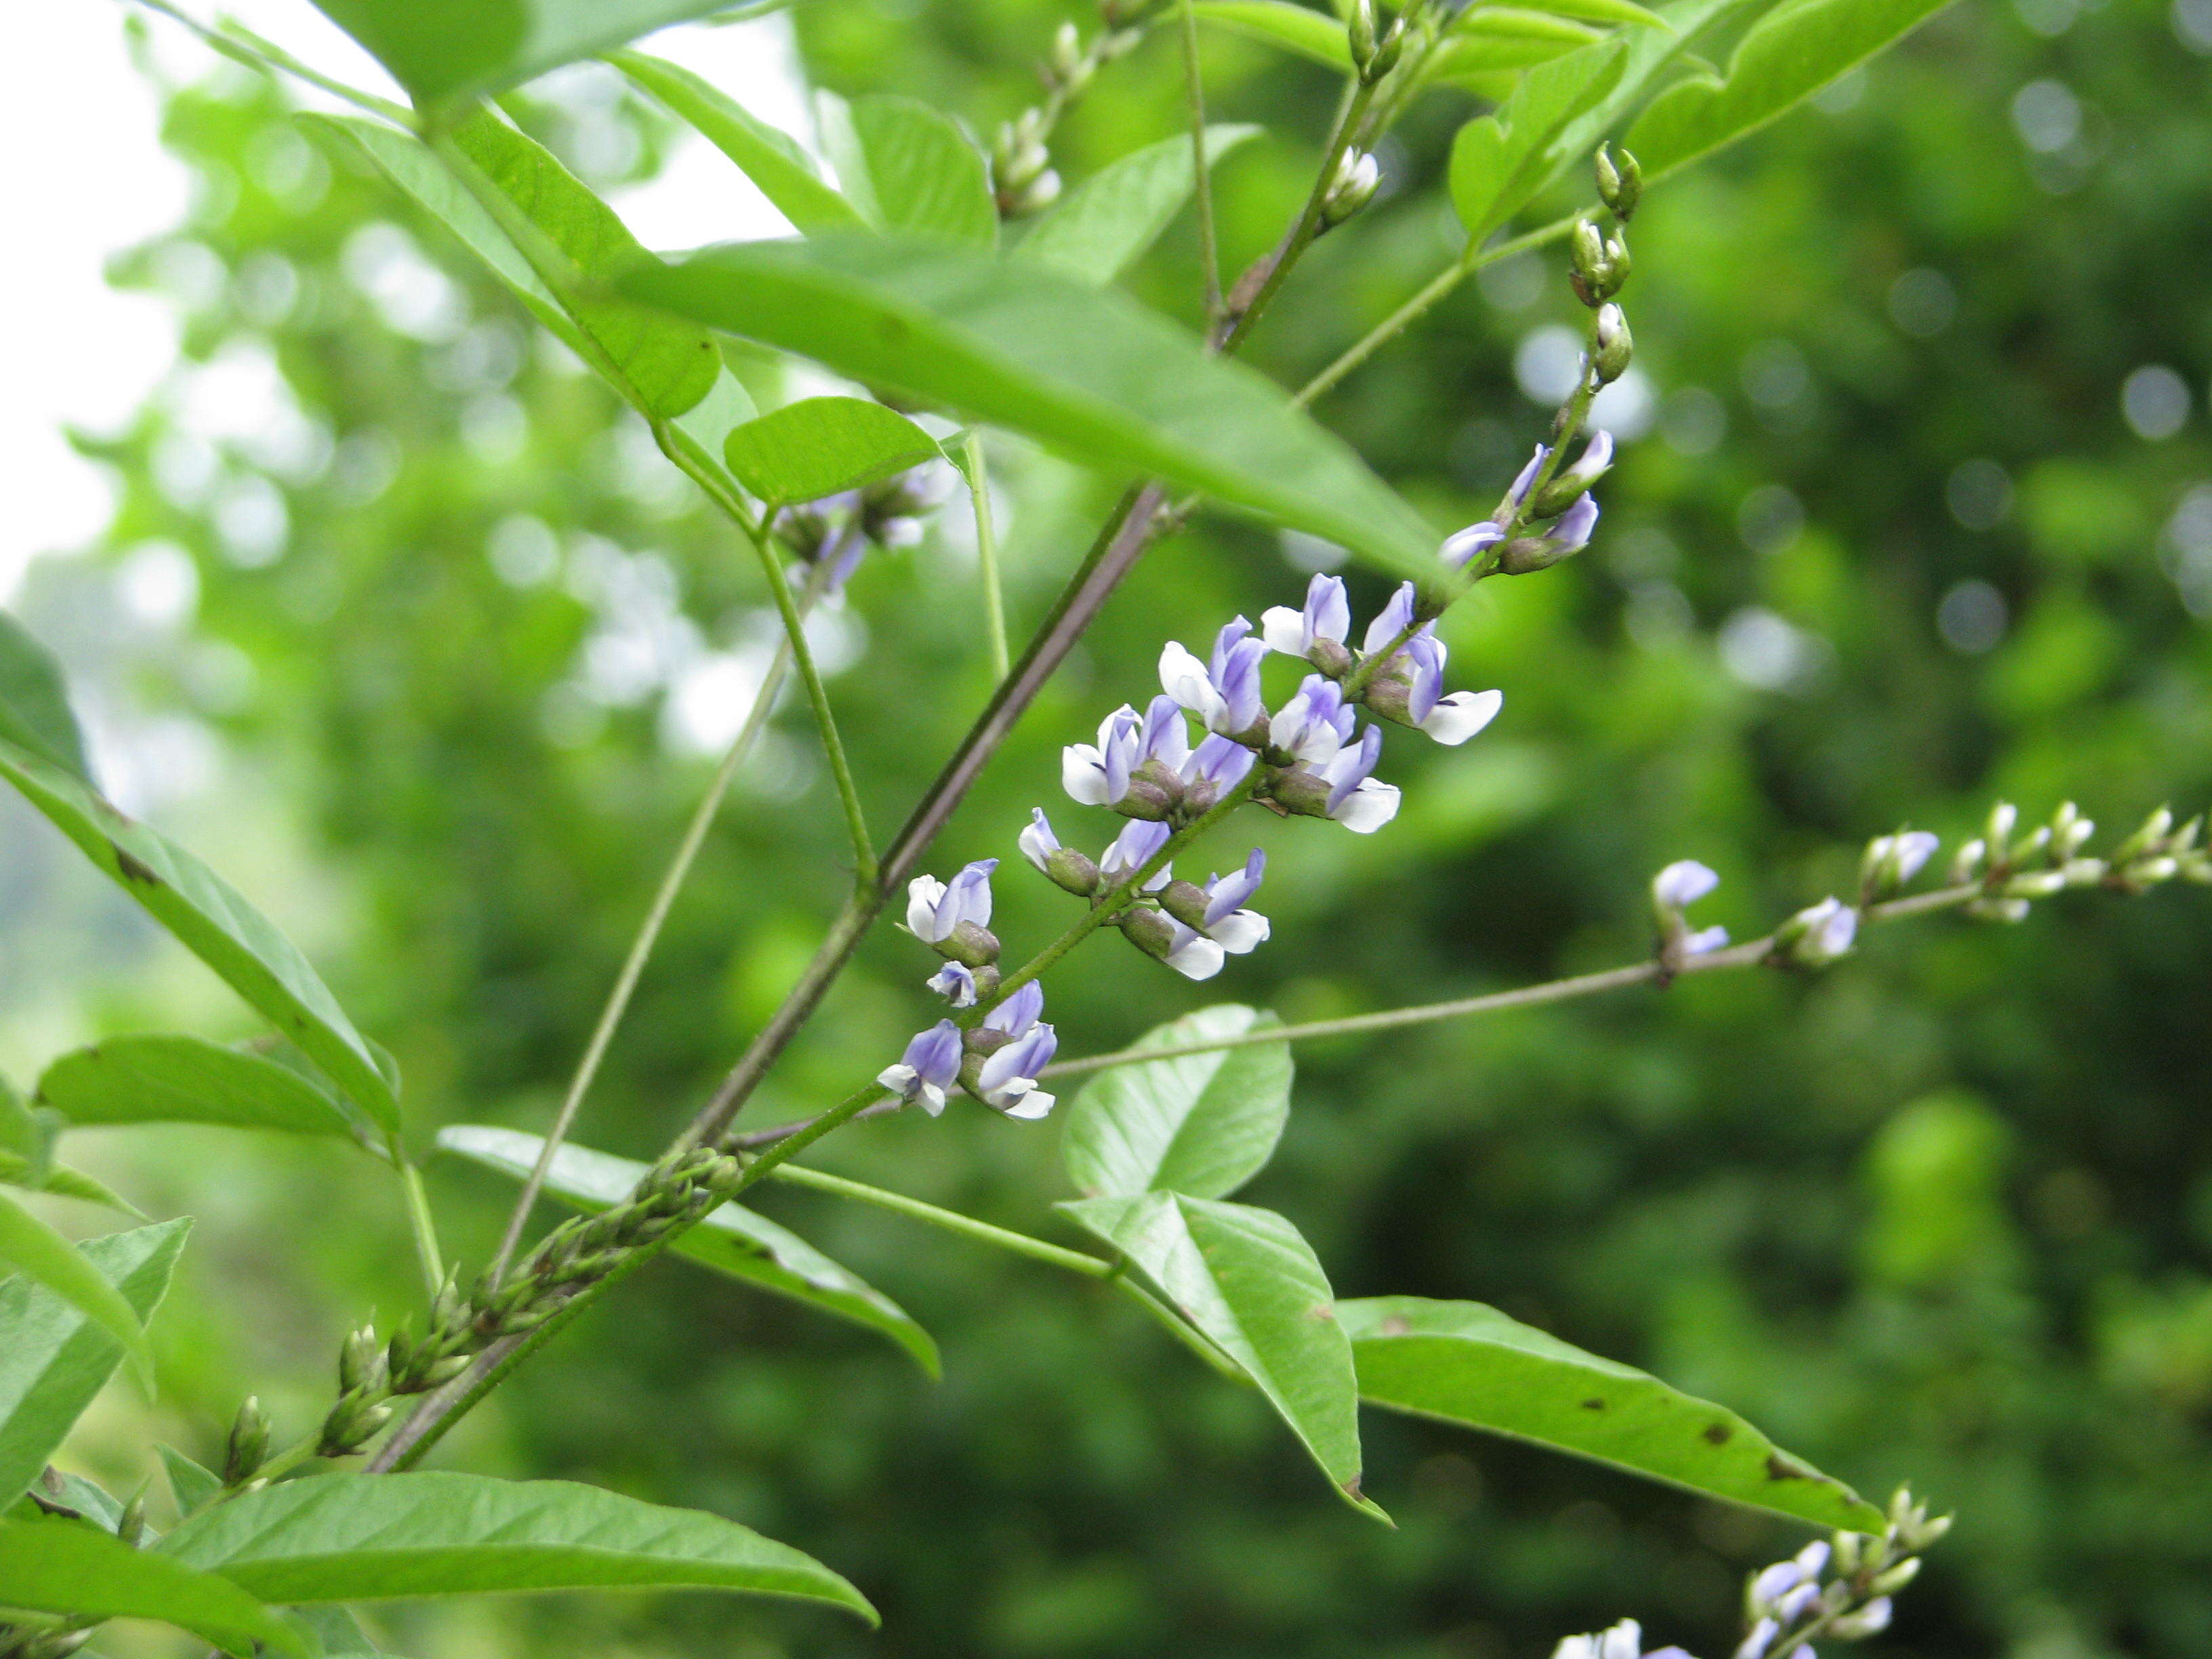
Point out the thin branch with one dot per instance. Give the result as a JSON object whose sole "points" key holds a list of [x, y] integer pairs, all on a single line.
{"points": [[420, 1224], [648, 933], [242, 45], [1435, 289], [1201, 178], [1751, 955]]}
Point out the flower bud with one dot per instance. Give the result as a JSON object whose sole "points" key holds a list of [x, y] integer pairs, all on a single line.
{"points": [[1358, 174], [1075, 871], [1359, 33], [130, 1525], [1998, 831], [1998, 910], [1619, 182], [2036, 884], [361, 1362], [971, 945], [248, 1448], [1067, 52], [1614, 346], [1897, 1577], [1967, 863], [1148, 930], [1186, 902], [2085, 872], [2149, 838], [1848, 1546]]}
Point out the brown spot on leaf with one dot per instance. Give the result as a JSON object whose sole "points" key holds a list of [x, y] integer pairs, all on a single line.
{"points": [[132, 869], [1593, 1404], [1321, 1312], [1779, 1467], [1395, 1325], [1718, 1433]]}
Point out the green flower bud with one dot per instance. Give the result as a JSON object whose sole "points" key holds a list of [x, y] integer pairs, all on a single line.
{"points": [[1614, 345], [1619, 181], [248, 1448]]}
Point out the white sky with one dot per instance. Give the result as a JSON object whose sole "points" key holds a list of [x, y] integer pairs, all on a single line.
{"points": [[77, 352]]}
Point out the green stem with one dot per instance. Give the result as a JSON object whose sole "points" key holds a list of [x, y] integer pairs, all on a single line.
{"points": [[1037, 1249], [420, 1224], [987, 554], [1526, 996], [242, 45], [1308, 225], [1202, 181], [1435, 289], [648, 933], [718, 490]]}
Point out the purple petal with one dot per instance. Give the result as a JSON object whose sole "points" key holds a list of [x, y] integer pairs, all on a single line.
{"points": [[1018, 1011], [1393, 619]]}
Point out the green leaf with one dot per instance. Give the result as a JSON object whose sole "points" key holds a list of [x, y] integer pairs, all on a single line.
{"points": [[1500, 160], [1101, 227], [731, 1240], [666, 368], [909, 170], [55, 1358], [1649, 53], [1247, 1279], [1605, 11], [208, 917], [819, 446], [190, 1484], [1785, 58], [19, 1129], [16, 1170], [1200, 1124], [1489, 66], [56, 1491], [768, 155], [444, 52], [67, 1567], [1300, 29], [365, 1538], [1465, 1363], [1091, 374], [34, 709], [183, 1079], [335, 1632], [1512, 23], [37, 1252]]}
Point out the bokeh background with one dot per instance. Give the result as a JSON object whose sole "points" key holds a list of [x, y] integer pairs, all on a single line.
{"points": [[388, 611]]}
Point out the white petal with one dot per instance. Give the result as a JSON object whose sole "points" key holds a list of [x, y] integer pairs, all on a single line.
{"points": [[1459, 716], [1184, 678], [897, 1079], [1705, 940], [923, 894], [1082, 775], [1201, 958], [1285, 630], [1239, 931], [1368, 807], [1033, 1105], [1683, 882], [933, 1100]]}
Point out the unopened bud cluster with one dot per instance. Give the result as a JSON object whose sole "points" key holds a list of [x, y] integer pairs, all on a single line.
{"points": [[1023, 179], [2014, 870], [1375, 49], [676, 1192], [833, 534]]}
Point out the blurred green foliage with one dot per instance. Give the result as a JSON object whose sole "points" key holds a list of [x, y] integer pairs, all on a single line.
{"points": [[1889, 549]]}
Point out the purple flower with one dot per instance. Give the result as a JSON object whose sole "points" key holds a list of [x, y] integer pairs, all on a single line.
{"points": [[956, 983], [1459, 547], [1215, 767], [1038, 843], [1391, 621], [1677, 887], [1228, 924], [1516, 493], [1098, 774], [1326, 620], [1190, 952], [1452, 720], [1163, 737], [1314, 723], [930, 1067], [1572, 533], [1131, 850], [1007, 1080], [1591, 465], [1822, 932], [1224, 692], [1356, 801], [934, 909]]}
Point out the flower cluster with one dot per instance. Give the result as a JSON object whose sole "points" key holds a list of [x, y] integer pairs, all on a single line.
{"points": [[833, 534], [1836, 1589]]}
